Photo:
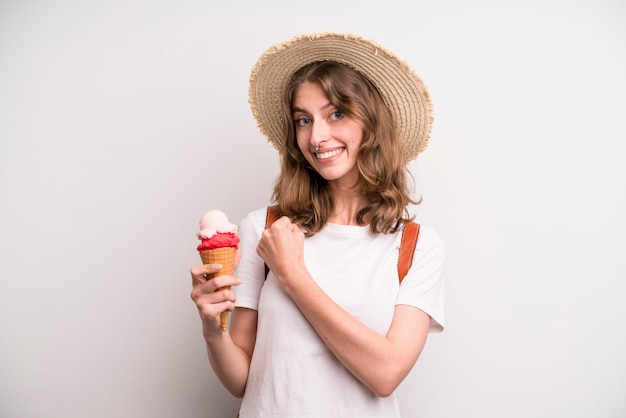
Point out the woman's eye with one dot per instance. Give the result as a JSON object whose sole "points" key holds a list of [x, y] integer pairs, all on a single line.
{"points": [[337, 115], [303, 121]]}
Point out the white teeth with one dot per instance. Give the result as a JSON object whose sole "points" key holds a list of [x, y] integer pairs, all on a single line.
{"points": [[328, 154]]}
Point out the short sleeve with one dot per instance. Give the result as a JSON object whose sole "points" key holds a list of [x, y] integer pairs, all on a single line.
{"points": [[251, 268], [423, 285]]}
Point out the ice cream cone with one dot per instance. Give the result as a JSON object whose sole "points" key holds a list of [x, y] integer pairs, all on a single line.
{"points": [[226, 257]]}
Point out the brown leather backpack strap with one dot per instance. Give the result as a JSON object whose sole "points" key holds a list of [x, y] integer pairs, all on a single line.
{"points": [[272, 216], [408, 243]]}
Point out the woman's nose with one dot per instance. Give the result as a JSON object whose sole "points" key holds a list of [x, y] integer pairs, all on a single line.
{"points": [[319, 133]]}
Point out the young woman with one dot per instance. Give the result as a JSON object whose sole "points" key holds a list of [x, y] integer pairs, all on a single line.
{"points": [[331, 331]]}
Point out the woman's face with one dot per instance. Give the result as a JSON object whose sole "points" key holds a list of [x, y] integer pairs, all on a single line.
{"points": [[319, 123]]}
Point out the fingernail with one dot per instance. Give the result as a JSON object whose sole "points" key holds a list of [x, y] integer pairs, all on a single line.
{"points": [[217, 267]]}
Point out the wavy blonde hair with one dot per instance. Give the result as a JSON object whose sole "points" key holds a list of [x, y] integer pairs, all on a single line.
{"points": [[305, 197]]}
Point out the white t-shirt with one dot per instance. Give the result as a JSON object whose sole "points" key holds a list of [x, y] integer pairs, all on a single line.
{"points": [[293, 373]]}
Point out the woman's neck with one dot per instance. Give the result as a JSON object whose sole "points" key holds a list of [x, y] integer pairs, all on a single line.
{"points": [[347, 204]]}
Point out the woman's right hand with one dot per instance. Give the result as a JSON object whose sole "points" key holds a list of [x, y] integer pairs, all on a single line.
{"points": [[210, 301]]}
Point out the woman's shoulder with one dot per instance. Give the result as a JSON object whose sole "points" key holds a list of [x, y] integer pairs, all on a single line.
{"points": [[255, 219], [258, 214], [428, 237]]}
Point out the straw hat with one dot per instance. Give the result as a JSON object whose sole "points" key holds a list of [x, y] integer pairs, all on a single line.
{"points": [[400, 87]]}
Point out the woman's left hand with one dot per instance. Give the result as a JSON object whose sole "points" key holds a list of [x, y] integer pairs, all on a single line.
{"points": [[282, 248]]}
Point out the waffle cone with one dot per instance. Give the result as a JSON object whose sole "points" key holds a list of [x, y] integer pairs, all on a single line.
{"points": [[226, 257]]}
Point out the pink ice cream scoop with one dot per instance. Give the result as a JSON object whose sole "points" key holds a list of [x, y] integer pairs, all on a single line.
{"points": [[216, 231]]}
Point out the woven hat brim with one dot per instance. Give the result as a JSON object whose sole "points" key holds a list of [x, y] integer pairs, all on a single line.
{"points": [[401, 88]]}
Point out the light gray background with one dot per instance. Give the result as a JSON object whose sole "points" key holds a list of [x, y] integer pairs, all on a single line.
{"points": [[122, 121]]}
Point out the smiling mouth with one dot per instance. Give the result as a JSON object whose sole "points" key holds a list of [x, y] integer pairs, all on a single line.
{"points": [[328, 154]]}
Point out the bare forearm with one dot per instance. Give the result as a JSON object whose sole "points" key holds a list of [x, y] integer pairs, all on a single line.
{"points": [[229, 362], [380, 362]]}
